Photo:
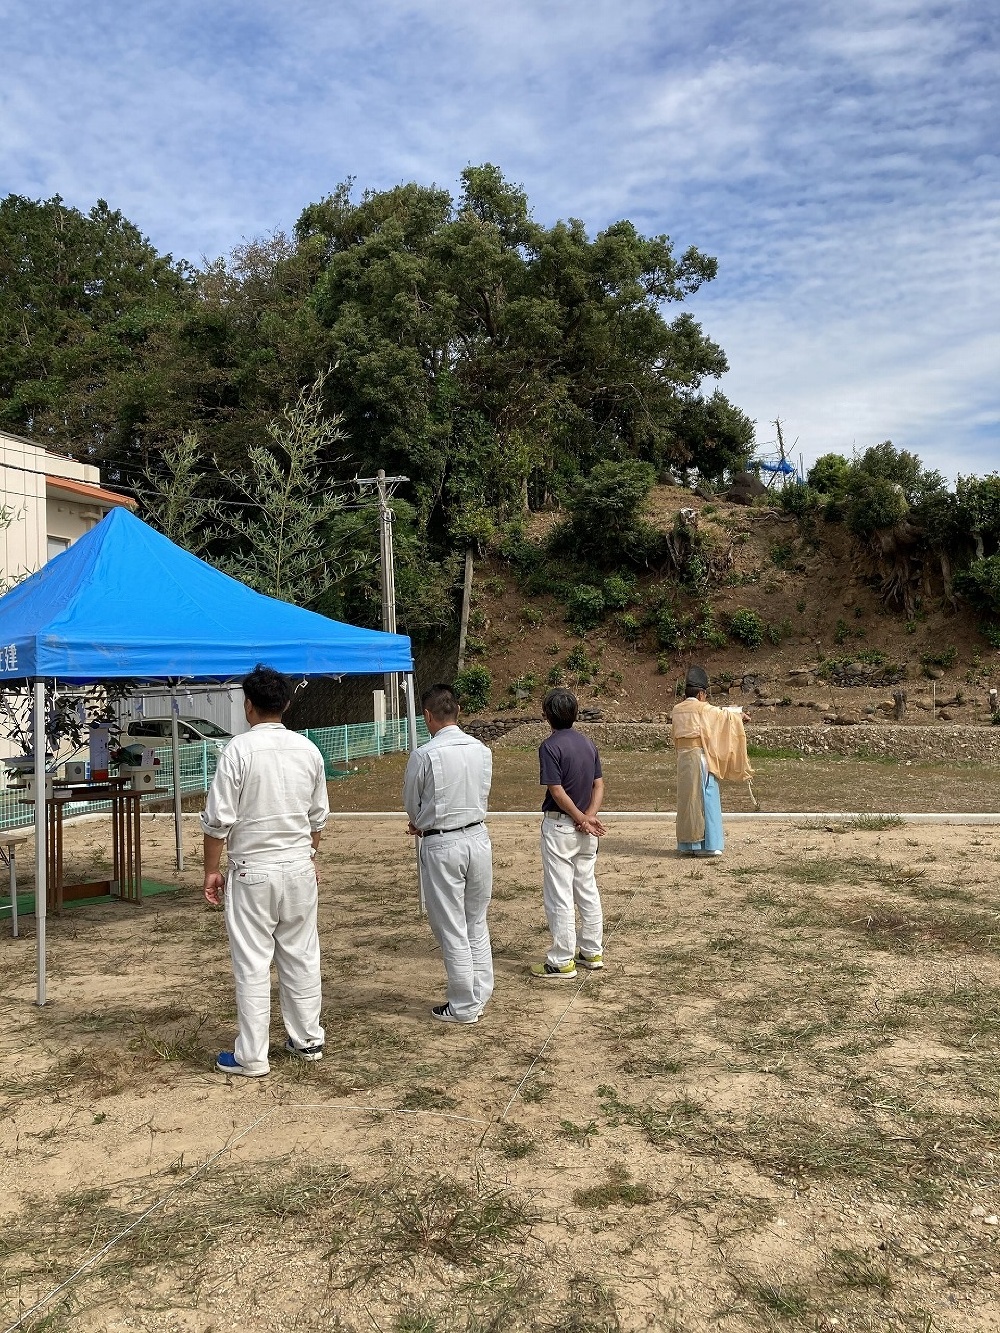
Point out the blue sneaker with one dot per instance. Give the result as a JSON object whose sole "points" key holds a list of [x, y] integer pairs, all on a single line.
{"points": [[304, 1052], [227, 1063]]}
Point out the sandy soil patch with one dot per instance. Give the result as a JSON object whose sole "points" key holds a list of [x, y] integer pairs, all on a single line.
{"points": [[776, 1108]]}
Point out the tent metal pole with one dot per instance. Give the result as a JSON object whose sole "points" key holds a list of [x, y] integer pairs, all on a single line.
{"points": [[175, 760], [411, 711], [411, 726], [41, 886]]}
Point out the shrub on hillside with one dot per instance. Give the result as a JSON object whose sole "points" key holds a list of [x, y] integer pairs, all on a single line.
{"points": [[747, 627], [630, 626], [875, 503], [944, 658], [585, 607], [582, 665], [606, 524], [472, 688], [668, 632], [980, 583], [618, 591], [802, 501]]}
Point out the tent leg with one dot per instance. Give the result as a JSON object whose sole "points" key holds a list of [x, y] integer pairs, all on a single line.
{"points": [[411, 726], [411, 711], [41, 886], [175, 760]]}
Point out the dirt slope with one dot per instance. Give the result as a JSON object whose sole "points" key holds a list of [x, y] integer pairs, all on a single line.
{"points": [[813, 594]]}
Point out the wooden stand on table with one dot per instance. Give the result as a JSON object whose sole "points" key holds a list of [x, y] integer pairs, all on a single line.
{"points": [[126, 843]]}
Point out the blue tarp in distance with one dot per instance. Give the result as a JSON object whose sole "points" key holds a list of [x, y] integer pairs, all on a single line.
{"points": [[124, 601], [782, 466]]}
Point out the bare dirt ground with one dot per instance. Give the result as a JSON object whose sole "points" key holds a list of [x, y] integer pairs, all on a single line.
{"points": [[776, 1107]]}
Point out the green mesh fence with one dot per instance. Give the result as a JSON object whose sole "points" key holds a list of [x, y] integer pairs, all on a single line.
{"points": [[340, 747]]}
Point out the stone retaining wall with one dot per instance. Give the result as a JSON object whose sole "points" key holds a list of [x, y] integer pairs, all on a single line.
{"points": [[928, 743]]}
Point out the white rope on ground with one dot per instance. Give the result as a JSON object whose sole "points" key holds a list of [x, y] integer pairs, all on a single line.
{"points": [[228, 1146], [739, 817], [116, 1240]]}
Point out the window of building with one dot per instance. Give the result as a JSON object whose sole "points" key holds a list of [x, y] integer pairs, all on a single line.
{"points": [[57, 545]]}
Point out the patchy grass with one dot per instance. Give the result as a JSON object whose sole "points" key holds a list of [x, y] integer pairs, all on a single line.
{"points": [[514, 1142], [916, 1159], [876, 823], [778, 1109], [578, 1134], [904, 930], [618, 1190], [427, 1099], [355, 1230]]}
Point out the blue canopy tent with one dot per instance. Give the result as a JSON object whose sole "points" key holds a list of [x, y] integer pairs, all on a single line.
{"points": [[125, 603]]}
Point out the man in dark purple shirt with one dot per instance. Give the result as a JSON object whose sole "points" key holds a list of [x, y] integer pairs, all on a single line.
{"points": [[570, 770]]}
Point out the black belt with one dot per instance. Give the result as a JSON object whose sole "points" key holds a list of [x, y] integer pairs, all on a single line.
{"points": [[436, 832]]}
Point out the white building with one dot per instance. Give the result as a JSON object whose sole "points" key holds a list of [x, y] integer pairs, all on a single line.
{"points": [[49, 502]]}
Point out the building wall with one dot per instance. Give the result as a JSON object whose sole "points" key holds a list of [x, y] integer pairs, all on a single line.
{"points": [[34, 516], [23, 546], [69, 520]]}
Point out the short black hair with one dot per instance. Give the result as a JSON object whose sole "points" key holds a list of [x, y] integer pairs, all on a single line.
{"points": [[268, 690], [560, 708], [440, 702], [695, 681]]}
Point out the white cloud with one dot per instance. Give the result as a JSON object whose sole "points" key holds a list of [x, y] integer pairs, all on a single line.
{"points": [[840, 160]]}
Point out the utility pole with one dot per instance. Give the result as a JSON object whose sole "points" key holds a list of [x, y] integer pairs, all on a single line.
{"points": [[381, 483], [463, 629]]}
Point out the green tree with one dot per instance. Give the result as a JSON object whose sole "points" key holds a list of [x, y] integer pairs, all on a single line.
{"points": [[89, 313], [174, 499], [884, 485], [875, 503], [284, 532], [977, 512], [883, 462], [606, 524], [476, 349], [980, 583], [712, 435], [829, 477]]}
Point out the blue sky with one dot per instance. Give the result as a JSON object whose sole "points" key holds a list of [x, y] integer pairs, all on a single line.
{"points": [[840, 160]]}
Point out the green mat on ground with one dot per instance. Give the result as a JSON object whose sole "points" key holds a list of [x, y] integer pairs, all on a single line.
{"points": [[26, 901]]}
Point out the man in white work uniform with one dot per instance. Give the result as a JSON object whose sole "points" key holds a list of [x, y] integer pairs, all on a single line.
{"points": [[268, 805], [445, 792]]}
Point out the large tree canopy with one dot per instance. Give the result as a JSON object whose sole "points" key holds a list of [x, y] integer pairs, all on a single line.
{"points": [[474, 347], [89, 314], [460, 343]]}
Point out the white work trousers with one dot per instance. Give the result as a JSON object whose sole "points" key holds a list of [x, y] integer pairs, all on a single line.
{"points": [[271, 914], [569, 885], [457, 873]]}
